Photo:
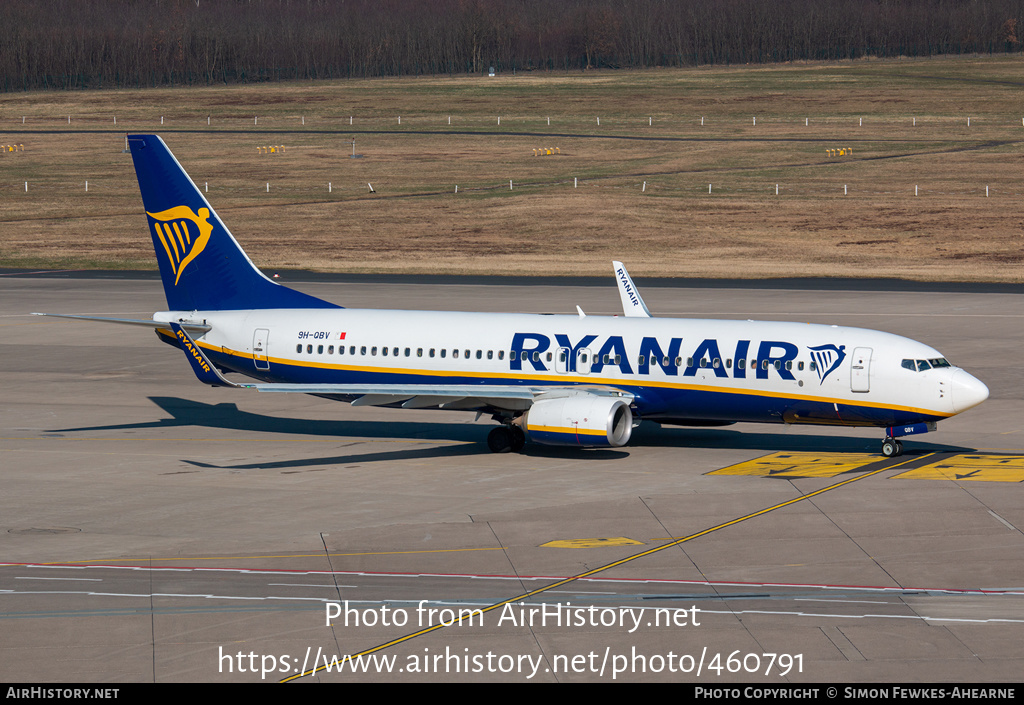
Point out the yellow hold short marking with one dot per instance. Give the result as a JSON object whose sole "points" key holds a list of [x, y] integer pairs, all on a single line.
{"points": [[800, 465], [974, 467]]}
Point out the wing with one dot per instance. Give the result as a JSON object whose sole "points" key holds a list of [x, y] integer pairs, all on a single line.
{"points": [[407, 396]]}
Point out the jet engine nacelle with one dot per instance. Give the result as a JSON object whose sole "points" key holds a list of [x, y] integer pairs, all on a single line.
{"points": [[583, 419]]}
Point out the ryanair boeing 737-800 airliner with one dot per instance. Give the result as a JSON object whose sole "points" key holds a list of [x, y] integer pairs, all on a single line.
{"points": [[567, 380]]}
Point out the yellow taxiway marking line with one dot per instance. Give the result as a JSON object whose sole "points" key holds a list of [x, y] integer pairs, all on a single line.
{"points": [[800, 465], [614, 564], [976, 467], [592, 543]]}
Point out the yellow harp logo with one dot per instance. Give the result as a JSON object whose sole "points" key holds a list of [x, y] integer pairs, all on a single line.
{"points": [[183, 235]]}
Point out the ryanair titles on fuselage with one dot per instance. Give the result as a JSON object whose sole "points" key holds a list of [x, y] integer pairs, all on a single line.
{"points": [[528, 350]]}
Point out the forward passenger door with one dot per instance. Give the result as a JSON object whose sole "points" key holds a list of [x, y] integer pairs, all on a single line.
{"points": [[860, 370]]}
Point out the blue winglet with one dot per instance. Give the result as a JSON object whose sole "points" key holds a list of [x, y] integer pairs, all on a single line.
{"points": [[202, 266]]}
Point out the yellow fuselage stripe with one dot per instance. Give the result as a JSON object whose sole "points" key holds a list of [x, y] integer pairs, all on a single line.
{"points": [[596, 381]]}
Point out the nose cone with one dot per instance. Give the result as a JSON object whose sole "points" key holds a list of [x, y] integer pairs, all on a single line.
{"points": [[968, 391]]}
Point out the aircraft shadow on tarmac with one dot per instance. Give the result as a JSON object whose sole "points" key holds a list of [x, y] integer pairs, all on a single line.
{"points": [[700, 437], [189, 413], [186, 412]]}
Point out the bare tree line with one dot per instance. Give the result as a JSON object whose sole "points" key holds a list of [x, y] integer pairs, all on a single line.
{"points": [[67, 44]]}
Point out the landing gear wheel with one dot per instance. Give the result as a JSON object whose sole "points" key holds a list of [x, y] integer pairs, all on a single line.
{"points": [[891, 448], [506, 439], [518, 439], [500, 439]]}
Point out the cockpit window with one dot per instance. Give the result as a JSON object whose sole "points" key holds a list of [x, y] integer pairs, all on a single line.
{"points": [[922, 365]]}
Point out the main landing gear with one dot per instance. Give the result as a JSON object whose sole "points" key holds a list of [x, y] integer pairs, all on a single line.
{"points": [[506, 439], [891, 447]]}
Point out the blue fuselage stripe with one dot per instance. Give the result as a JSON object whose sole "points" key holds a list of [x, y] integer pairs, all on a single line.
{"points": [[656, 402]]}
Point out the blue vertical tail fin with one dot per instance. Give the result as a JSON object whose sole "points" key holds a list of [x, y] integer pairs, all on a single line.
{"points": [[201, 265]]}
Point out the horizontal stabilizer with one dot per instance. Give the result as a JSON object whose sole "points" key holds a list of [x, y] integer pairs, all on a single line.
{"points": [[148, 323]]}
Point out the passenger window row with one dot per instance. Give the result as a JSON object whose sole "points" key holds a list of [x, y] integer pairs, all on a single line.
{"points": [[374, 350], [714, 363]]}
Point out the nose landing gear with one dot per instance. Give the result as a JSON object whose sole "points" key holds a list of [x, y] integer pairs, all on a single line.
{"points": [[891, 447]]}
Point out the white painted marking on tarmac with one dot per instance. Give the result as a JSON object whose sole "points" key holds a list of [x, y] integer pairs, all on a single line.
{"points": [[733, 613], [166, 594], [1005, 523], [626, 581], [316, 585], [855, 602], [924, 618], [30, 577]]}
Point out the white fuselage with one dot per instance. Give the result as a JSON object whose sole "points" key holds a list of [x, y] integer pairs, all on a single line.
{"points": [[678, 369]]}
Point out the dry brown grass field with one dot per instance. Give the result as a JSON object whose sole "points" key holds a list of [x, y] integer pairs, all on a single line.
{"points": [[630, 180]]}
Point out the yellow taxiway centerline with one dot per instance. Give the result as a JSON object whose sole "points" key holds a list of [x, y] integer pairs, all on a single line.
{"points": [[614, 564]]}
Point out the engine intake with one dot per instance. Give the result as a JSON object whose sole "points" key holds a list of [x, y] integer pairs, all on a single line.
{"points": [[583, 419]]}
